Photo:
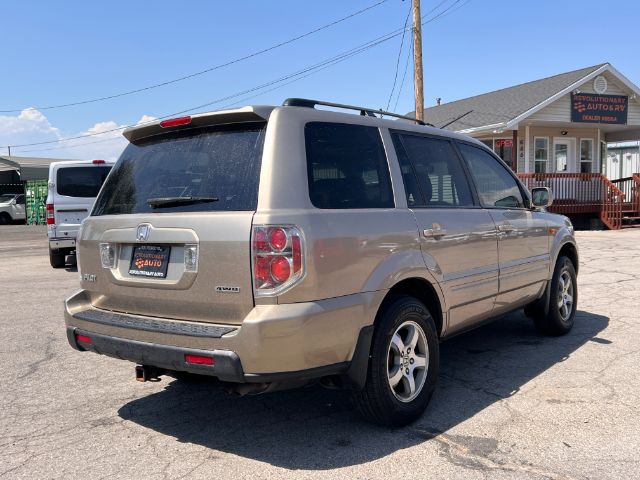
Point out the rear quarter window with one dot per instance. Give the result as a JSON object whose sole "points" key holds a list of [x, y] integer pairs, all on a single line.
{"points": [[80, 181], [347, 167]]}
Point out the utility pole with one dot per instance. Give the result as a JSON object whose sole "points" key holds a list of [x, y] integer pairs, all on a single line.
{"points": [[417, 60], [9, 148]]}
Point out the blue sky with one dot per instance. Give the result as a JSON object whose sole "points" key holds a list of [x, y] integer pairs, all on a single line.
{"points": [[60, 52]]}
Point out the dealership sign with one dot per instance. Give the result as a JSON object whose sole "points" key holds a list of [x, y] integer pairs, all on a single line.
{"points": [[595, 108]]}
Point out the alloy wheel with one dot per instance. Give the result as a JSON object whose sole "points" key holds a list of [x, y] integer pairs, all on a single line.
{"points": [[565, 295], [407, 361]]}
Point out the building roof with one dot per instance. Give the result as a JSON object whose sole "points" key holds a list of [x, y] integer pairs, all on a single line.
{"points": [[30, 168], [503, 108]]}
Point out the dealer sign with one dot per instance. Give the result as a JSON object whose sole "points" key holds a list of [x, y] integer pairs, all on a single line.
{"points": [[595, 108]]}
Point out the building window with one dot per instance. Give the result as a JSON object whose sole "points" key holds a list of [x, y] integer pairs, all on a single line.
{"points": [[586, 155], [541, 154]]}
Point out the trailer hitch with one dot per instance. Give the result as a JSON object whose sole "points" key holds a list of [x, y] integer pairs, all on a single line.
{"points": [[147, 373]]}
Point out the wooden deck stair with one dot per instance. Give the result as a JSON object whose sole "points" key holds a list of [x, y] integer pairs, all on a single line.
{"points": [[630, 186], [630, 219]]}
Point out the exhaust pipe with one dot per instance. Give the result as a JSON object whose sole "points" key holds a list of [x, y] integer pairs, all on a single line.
{"points": [[147, 373], [243, 389]]}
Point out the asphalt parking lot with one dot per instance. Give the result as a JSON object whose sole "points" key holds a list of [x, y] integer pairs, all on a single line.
{"points": [[510, 404]]}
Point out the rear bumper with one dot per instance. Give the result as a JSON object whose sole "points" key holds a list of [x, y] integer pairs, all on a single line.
{"points": [[226, 366], [274, 342], [61, 243]]}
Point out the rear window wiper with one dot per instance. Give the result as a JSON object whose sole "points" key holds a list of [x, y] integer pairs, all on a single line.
{"points": [[165, 202]]}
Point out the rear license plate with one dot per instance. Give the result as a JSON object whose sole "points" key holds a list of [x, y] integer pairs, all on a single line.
{"points": [[150, 261]]}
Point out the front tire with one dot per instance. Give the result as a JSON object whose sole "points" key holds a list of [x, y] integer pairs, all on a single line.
{"points": [[563, 301], [403, 365]]}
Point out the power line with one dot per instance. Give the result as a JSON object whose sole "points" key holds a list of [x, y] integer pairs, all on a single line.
{"points": [[458, 8], [395, 76], [404, 76], [298, 75], [242, 100], [344, 55], [447, 10], [294, 76], [207, 70], [440, 15]]}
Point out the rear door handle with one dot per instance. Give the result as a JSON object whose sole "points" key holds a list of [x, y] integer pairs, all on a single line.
{"points": [[434, 233], [506, 228]]}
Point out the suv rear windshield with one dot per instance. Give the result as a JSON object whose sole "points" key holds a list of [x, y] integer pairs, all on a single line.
{"points": [[80, 181], [204, 169]]}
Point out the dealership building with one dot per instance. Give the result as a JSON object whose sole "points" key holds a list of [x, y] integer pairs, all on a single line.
{"points": [[561, 123], [576, 133]]}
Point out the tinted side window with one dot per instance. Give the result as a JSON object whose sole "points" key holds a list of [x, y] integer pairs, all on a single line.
{"points": [[496, 187], [432, 173], [347, 166], [80, 181]]}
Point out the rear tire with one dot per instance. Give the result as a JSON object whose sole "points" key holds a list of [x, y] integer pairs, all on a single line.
{"points": [[563, 301], [403, 365], [57, 260], [5, 218]]}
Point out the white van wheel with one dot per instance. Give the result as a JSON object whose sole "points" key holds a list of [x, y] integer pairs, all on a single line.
{"points": [[57, 260]]}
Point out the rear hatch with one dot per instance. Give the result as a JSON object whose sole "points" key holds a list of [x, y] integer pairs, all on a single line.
{"points": [[169, 235], [76, 188]]}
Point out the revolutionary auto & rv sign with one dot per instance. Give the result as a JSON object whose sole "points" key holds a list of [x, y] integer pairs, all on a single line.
{"points": [[594, 108]]}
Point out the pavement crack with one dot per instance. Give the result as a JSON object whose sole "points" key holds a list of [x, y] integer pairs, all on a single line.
{"points": [[49, 354], [474, 453]]}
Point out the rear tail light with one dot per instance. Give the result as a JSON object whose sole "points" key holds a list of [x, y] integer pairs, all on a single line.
{"points": [[199, 359], [277, 258], [108, 255], [98, 162], [51, 219]]}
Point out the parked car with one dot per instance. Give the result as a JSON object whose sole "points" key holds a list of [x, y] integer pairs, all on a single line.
{"points": [[270, 247], [12, 208], [73, 187]]}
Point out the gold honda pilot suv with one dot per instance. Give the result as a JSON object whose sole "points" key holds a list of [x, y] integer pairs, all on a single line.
{"points": [[270, 247]]}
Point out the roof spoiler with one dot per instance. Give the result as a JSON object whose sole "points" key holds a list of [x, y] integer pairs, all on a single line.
{"points": [[239, 115]]}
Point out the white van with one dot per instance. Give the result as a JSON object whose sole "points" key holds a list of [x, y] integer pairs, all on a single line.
{"points": [[73, 187]]}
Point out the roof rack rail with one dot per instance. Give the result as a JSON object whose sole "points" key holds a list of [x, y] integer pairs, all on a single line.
{"points": [[370, 112]]}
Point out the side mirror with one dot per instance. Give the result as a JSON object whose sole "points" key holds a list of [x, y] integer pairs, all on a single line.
{"points": [[541, 197]]}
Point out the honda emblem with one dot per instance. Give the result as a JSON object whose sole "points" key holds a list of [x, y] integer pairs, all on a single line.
{"points": [[143, 232]]}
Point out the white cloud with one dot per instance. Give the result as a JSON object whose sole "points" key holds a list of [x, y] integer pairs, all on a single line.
{"points": [[146, 119], [31, 126]]}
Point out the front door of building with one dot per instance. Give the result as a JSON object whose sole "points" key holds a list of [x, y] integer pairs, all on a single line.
{"points": [[564, 155]]}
